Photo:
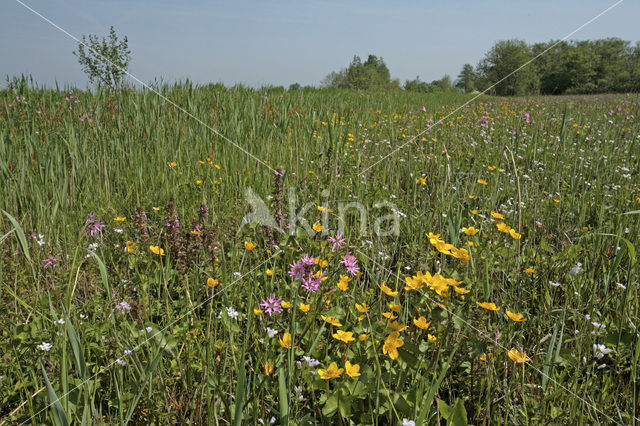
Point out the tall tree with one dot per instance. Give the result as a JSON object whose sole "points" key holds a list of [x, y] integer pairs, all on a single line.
{"points": [[500, 64], [466, 80]]}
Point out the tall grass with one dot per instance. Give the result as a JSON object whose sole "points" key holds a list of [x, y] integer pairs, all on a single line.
{"points": [[65, 154]]}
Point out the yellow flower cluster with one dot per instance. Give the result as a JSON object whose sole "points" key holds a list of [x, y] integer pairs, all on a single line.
{"points": [[448, 249], [435, 282]]}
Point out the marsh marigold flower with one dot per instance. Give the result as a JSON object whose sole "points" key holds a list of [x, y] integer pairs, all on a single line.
{"points": [[515, 317], [421, 323], [344, 336], [331, 320], [157, 250], [392, 344], [490, 306], [518, 356], [331, 372], [470, 230], [303, 307], [387, 290], [285, 341], [352, 370]]}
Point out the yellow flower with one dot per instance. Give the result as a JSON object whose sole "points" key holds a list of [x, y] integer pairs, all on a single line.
{"points": [[515, 317], [332, 320], [485, 356], [285, 341], [490, 306], [257, 312], [514, 234], [518, 356], [269, 272], [198, 182], [461, 290], [317, 227], [414, 283], [482, 182], [285, 304], [157, 250], [173, 164], [156, 209], [343, 284], [330, 373], [503, 227], [363, 337], [211, 282], [530, 271], [421, 323], [389, 315], [343, 336], [268, 369], [250, 245], [131, 246], [352, 370], [304, 308], [362, 308], [497, 215], [421, 181], [474, 211], [470, 230], [392, 344], [119, 219], [492, 168], [431, 337], [395, 307], [386, 290], [396, 326]]}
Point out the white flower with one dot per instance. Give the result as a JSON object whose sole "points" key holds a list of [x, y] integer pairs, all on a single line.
{"points": [[554, 284], [271, 332], [600, 350], [233, 314], [45, 346], [407, 422]]}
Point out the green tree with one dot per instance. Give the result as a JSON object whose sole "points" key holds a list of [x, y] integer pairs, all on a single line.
{"points": [[501, 67], [466, 80], [372, 74], [105, 61]]}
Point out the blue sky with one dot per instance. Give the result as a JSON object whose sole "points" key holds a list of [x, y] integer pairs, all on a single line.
{"points": [[281, 42]]}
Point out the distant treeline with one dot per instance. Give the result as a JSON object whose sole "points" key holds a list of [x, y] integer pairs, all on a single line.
{"points": [[556, 67]]}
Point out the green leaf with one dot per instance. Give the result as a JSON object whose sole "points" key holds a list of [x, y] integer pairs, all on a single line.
{"points": [[22, 239], [331, 406], [59, 416], [458, 414], [444, 409], [284, 397]]}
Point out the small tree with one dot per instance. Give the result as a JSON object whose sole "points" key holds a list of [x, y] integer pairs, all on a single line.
{"points": [[105, 61]]}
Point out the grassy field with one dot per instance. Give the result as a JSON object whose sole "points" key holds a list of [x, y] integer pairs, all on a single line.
{"points": [[486, 274]]}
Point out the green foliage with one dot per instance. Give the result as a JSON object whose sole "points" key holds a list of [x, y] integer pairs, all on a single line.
{"points": [[104, 61], [503, 67], [599, 66], [373, 74], [573, 170]]}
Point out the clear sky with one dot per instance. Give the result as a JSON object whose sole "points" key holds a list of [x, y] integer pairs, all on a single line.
{"points": [[280, 42]]}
